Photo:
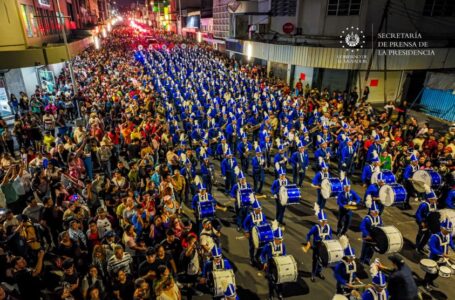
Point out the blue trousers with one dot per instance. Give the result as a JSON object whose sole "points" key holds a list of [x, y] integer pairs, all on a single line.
{"points": [[367, 253], [89, 167], [280, 209], [297, 177], [344, 221], [321, 200], [258, 180]]}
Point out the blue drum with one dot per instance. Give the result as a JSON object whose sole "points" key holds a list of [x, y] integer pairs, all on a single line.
{"points": [[261, 235], [388, 176], [245, 197], [436, 179], [206, 209], [393, 194], [290, 194], [331, 187], [430, 178]]}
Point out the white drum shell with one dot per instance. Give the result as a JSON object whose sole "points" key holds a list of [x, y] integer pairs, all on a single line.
{"points": [[286, 268], [221, 279], [335, 250], [326, 188], [283, 195], [394, 237], [428, 266], [445, 272]]}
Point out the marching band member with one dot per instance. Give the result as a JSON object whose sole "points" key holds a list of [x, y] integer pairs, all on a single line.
{"points": [[408, 172], [232, 133], [421, 215], [279, 160], [222, 148], [230, 293], [202, 196], [369, 169], [258, 164], [345, 271], [439, 244], [322, 154], [240, 210], [275, 190], [244, 149], [217, 263], [348, 197], [372, 193], [324, 136], [377, 291], [373, 219], [299, 161], [320, 232], [254, 218], [348, 153], [273, 249], [317, 181], [450, 200], [227, 170], [375, 149], [266, 146], [207, 172]]}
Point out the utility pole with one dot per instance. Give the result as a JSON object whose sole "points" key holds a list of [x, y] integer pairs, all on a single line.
{"points": [[180, 17], [70, 65]]}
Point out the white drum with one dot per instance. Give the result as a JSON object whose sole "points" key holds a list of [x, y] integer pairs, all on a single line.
{"points": [[330, 252], [331, 187], [429, 266], [340, 297], [450, 214], [283, 269], [388, 239], [430, 178], [445, 272], [220, 281]]}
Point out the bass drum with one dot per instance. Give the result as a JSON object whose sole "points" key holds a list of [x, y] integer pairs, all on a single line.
{"points": [[388, 239], [220, 280], [330, 252], [261, 235], [389, 177], [283, 269], [433, 221], [431, 178]]}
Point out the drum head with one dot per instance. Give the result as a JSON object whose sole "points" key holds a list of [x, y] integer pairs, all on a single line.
{"points": [[220, 280], [380, 239], [326, 188], [433, 222], [283, 269], [445, 272], [386, 195], [283, 195], [428, 265], [255, 237], [419, 179], [374, 177]]}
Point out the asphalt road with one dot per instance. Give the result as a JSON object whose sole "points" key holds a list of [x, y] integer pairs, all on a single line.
{"points": [[252, 284]]}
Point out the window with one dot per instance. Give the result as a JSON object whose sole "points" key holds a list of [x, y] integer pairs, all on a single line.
{"points": [[344, 7], [30, 21], [439, 8]]}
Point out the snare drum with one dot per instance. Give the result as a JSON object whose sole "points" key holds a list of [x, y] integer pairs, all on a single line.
{"points": [[445, 272], [245, 197], [220, 280], [289, 194], [429, 266], [283, 269], [331, 187], [340, 297], [261, 235], [330, 252], [388, 239], [430, 178], [206, 209], [388, 176], [392, 194], [450, 214]]}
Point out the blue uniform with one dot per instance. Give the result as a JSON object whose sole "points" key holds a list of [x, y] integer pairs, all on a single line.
{"points": [[227, 170], [245, 150], [258, 165], [345, 273], [317, 181], [268, 252], [275, 190], [281, 159], [345, 215], [423, 211], [439, 246], [407, 175], [451, 199], [372, 294], [319, 234], [370, 152], [299, 161], [373, 192], [211, 266], [325, 154], [240, 210], [207, 172], [367, 172], [368, 223], [347, 159]]}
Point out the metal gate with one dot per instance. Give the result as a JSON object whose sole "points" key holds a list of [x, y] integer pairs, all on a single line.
{"points": [[439, 103]]}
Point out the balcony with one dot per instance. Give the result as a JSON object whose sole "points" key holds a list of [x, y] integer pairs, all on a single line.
{"points": [[251, 7]]}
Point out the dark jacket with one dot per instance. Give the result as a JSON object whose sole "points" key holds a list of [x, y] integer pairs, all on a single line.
{"points": [[402, 285]]}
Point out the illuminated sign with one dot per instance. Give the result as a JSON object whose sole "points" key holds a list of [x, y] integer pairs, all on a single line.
{"points": [[44, 2]]}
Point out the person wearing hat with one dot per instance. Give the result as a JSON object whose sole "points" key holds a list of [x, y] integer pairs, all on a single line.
{"points": [[232, 133], [347, 197], [231, 293], [348, 152], [317, 181], [408, 172], [269, 251], [372, 193], [209, 238], [320, 232], [222, 148], [422, 217], [254, 218], [323, 153], [244, 148], [369, 169], [217, 263], [275, 190], [299, 161], [370, 221], [280, 160], [450, 199], [258, 163], [207, 172], [439, 244], [378, 289], [227, 170], [266, 145], [375, 149], [401, 285], [202, 196], [240, 208], [324, 136], [345, 271]]}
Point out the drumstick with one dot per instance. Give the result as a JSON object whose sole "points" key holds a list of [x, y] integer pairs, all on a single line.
{"points": [[261, 197]]}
